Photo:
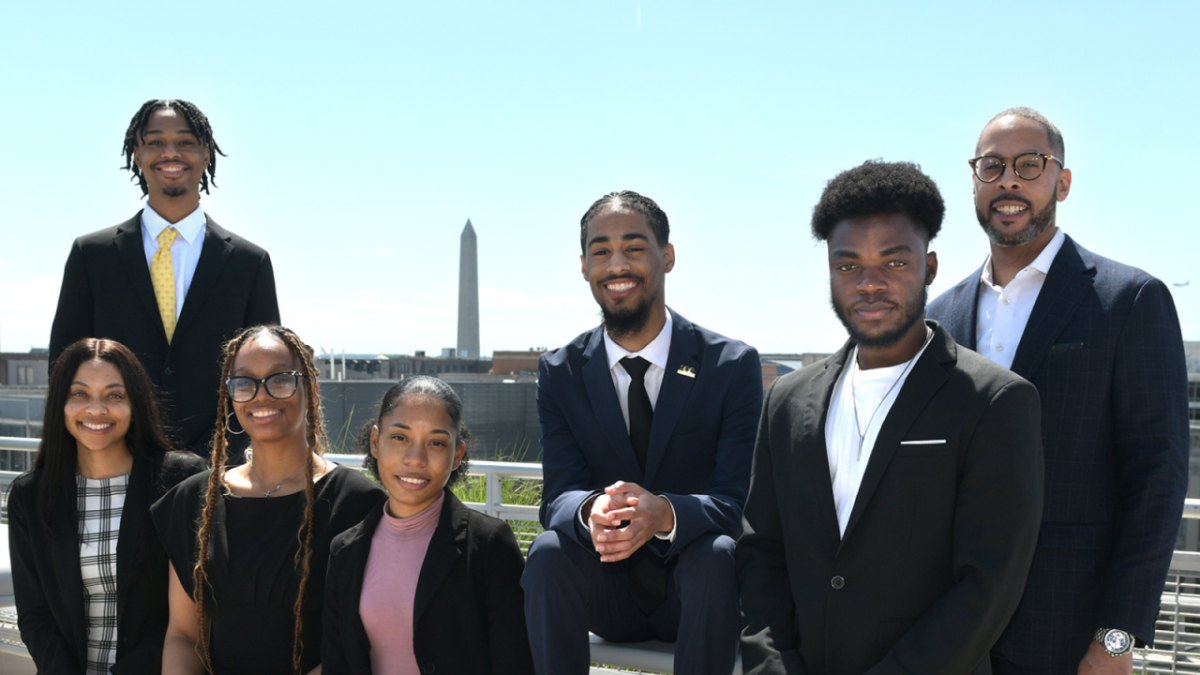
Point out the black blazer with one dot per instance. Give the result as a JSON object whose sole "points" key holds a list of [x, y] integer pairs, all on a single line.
{"points": [[49, 588], [1104, 349], [938, 544], [107, 293], [469, 616]]}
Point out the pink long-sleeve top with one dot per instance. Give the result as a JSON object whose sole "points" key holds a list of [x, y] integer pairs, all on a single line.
{"points": [[390, 585]]}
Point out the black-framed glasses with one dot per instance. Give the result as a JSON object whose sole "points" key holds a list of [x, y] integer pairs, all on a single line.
{"points": [[1029, 166], [281, 385]]}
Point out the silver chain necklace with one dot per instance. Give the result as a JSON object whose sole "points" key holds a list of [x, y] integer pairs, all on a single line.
{"points": [[862, 435], [250, 461]]}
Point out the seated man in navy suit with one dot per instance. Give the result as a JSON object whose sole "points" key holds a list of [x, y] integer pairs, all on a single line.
{"points": [[648, 426]]}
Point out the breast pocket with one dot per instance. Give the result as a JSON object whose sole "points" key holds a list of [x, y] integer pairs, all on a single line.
{"points": [[925, 447]]}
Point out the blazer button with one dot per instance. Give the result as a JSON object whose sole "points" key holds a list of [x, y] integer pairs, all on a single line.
{"points": [[837, 582], [168, 372], [427, 669]]}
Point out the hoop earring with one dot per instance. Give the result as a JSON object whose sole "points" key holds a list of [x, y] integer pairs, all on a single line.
{"points": [[229, 425]]}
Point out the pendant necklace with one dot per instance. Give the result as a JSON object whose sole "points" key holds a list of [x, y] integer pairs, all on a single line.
{"points": [[250, 460], [862, 434]]}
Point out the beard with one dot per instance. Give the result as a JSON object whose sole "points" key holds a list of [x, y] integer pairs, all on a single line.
{"points": [[174, 191], [911, 313], [626, 320], [1039, 221]]}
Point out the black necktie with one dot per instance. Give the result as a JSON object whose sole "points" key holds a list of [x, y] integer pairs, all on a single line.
{"points": [[641, 414], [648, 573]]}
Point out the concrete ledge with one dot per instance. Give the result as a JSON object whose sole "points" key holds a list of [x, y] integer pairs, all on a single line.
{"points": [[655, 656]]}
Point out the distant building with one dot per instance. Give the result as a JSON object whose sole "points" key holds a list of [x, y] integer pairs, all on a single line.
{"points": [[1189, 535], [517, 364], [28, 369], [394, 366], [776, 365]]}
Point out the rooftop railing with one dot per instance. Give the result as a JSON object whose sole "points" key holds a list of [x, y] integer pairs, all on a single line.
{"points": [[1177, 636]]}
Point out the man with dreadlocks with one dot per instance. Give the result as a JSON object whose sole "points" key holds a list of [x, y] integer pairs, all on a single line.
{"points": [[169, 282]]}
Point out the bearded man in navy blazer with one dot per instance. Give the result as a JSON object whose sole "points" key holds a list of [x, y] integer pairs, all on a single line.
{"points": [[1102, 344], [169, 283], [648, 426]]}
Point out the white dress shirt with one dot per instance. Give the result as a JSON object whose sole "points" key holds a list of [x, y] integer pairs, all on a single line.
{"points": [[656, 353], [847, 463], [1004, 312], [185, 252]]}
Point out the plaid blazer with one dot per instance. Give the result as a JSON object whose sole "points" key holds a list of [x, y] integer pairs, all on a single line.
{"points": [[1104, 349]]}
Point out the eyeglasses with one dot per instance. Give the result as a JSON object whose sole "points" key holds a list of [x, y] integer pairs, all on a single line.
{"points": [[1029, 166], [243, 389]]}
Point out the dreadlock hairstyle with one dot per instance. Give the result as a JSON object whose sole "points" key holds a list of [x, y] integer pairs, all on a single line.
{"points": [[195, 119], [420, 388], [317, 442], [58, 453]]}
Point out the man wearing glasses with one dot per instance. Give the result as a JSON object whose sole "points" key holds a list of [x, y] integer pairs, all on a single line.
{"points": [[1102, 344]]}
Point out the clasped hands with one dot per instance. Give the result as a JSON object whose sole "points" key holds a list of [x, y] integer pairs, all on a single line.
{"points": [[646, 514]]}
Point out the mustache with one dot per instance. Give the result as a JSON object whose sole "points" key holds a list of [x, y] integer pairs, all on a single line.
{"points": [[615, 277], [1011, 198]]}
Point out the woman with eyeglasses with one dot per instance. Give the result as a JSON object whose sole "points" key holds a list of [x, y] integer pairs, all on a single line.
{"points": [[249, 545], [89, 576]]}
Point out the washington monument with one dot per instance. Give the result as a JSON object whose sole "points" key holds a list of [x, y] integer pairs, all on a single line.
{"points": [[468, 295]]}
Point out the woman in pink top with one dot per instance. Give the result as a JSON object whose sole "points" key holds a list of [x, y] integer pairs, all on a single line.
{"points": [[424, 584]]}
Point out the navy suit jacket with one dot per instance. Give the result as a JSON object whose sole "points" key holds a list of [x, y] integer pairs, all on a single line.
{"points": [[1104, 349], [701, 438], [107, 293]]}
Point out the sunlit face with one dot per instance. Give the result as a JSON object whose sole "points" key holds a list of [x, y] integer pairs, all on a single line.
{"points": [[626, 268], [171, 157], [416, 448], [878, 273], [97, 410], [1014, 211], [266, 418]]}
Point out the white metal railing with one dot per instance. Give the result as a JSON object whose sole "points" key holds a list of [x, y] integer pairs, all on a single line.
{"points": [[1177, 629]]}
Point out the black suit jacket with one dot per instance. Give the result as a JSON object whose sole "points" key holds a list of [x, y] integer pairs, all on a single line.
{"points": [[700, 439], [47, 582], [107, 293], [1104, 349], [468, 614], [939, 540]]}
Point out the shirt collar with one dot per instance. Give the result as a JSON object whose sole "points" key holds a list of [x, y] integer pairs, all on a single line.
{"points": [[656, 352], [1041, 263], [189, 228]]}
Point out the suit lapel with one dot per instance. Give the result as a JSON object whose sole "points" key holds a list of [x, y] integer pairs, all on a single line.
{"points": [[133, 525], [449, 542], [963, 318], [213, 256], [927, 376], [370, 524], [132, 252], [815, 460], [673, 393], [1068, 282], [67, 560], [599, 385]]}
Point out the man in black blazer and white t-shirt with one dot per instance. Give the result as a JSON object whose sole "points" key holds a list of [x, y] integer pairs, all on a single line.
{"points": [[169, 283], [897, 486]]}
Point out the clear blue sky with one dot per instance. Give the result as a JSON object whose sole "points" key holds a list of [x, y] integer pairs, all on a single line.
{"points": [[361, 136]]}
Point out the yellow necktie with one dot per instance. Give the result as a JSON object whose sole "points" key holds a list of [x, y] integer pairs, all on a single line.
{"points": [[162, 274]]}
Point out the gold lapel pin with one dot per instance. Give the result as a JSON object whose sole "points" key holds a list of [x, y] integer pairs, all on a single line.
{"points": [[687, 371]]}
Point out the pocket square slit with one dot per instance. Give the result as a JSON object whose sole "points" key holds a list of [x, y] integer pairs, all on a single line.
{"points": [[939, 441]]}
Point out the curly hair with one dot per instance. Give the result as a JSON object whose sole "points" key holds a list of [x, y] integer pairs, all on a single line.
{"points": [[317, 442], [628, 200], [878, 187], [420, 388]]}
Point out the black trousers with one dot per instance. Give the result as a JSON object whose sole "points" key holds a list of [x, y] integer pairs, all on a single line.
{"points": [[569, 592]]}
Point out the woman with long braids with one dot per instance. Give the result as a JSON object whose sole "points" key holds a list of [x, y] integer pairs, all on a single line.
{"points": [[89, 575], [249, 545]]}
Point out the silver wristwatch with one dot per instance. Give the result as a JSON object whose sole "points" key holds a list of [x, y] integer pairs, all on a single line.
{"points": [[1114, 640]]}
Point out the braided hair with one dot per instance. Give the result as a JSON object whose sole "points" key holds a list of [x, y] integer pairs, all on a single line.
{"points": [[317, 442], [195, 119]]}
